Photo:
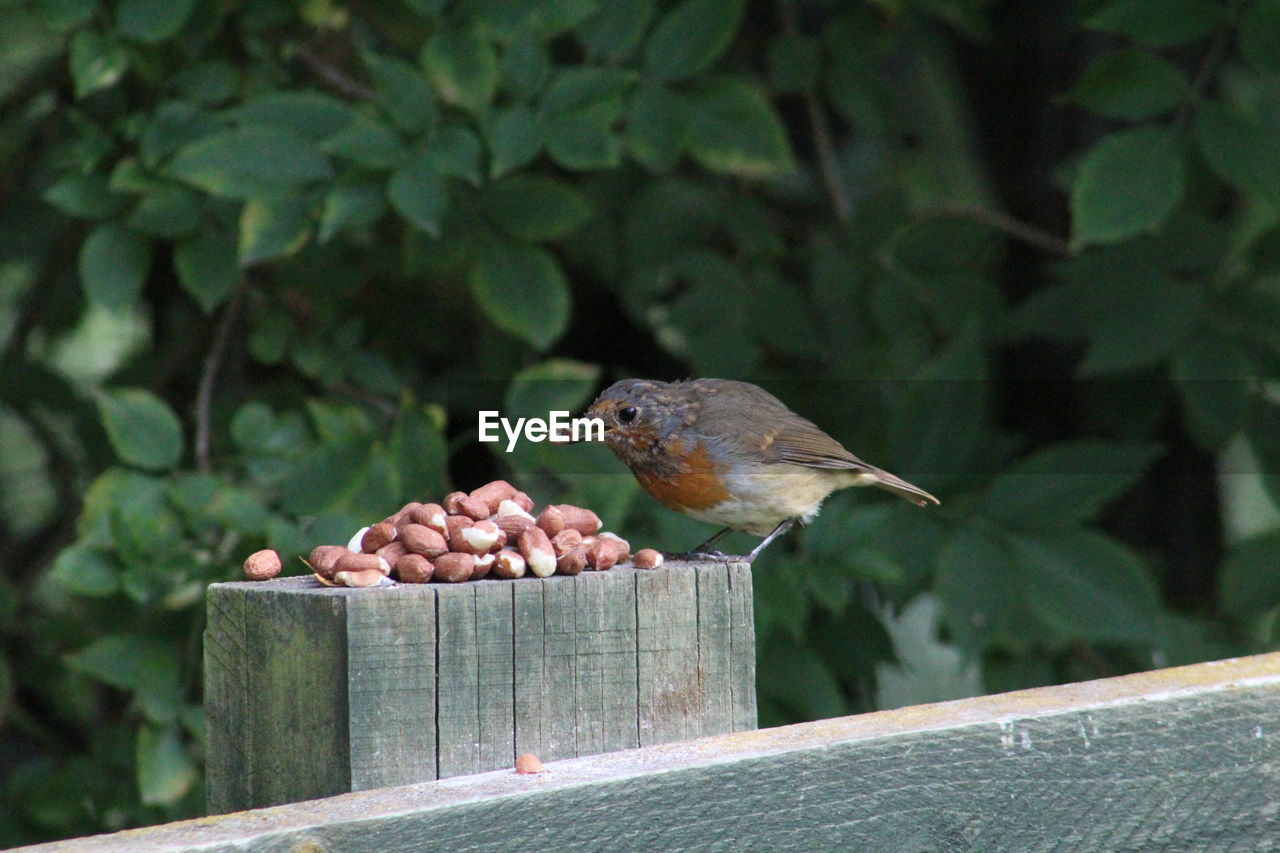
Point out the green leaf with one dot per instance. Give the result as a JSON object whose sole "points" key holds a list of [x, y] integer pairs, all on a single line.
{"points": [[977, 586], [557, 384], [691, 37], [426, 8], [952, 381], [582, 141], [1259, 36], [525, 66], [168, 212], [273, 227], [1088, 586], [1173, 22], [581, 107], [462, 67], [1212, 378], [419, 194], [522, 290], [1248, 582], [735, 130], [207, 267], [97, 62], [165, 772], [658, 122], [1263, 431], [403, 93], [577, 89], [367, 143], [1127, 184], [1129, 84], [143, 664], [1241, 152], [114, 263], [421, 455], [533, 207], [1144, 321], [212, 82], [707, 323], [515, 139], [84, 197], [800, 680], [617, 29], [1066, 483], [353, 203], [455, 152], [249, 161], [152, 20], [312, 114], [141, 427], [86, 571], [794, 62], [64, 15], [174, 124], [328, 479]]}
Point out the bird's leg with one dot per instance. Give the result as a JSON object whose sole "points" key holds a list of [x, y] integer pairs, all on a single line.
{"points": [[777, 531], [701, 552], [702, 549]]}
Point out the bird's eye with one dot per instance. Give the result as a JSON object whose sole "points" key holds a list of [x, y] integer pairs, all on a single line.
{"points": [[627, 415]]}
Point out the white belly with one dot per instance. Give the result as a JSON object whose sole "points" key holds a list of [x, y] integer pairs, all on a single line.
{"points": [[765, 500]]}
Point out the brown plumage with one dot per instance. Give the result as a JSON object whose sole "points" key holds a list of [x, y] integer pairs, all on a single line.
{"points": [[731, 453]]}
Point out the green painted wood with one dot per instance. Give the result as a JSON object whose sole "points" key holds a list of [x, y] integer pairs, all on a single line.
{"points": [[495, 674], [391, 659], [457, 682], [313, 691], [1180, 759], [667, 656], [559, 668]]}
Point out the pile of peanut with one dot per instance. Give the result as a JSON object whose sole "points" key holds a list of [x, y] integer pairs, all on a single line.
{"points": [[490, 532]]}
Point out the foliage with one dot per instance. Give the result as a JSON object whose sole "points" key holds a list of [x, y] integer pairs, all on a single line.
{"points": [[262, 262]]}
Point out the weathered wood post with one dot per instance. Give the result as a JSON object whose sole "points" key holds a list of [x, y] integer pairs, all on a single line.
{"points": [[313, 691]]}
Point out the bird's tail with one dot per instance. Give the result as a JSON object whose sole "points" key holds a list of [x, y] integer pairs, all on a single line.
{"points": [[882, 479]]}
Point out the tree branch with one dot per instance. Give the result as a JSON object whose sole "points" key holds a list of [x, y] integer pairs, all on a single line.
{"points": [[1210, 65], [209, 376], [823, 139], [1030, 234], [333, 75]]}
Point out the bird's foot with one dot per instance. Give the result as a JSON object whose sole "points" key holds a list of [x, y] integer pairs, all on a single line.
{"points": [[705, 557]]}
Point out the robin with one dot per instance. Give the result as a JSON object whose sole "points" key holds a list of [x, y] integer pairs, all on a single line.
{"points": [[731, 453]]}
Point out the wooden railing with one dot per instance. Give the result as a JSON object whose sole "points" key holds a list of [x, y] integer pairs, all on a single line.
{"points": [[1176, 759]]}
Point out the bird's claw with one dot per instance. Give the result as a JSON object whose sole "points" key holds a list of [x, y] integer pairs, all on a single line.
{"points": [[706, 557]]}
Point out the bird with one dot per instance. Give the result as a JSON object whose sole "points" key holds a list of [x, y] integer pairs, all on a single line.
{"points": [[731, 453]]}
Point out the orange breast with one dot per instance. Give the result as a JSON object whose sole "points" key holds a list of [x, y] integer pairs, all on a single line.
{"points": [[697, 485]]}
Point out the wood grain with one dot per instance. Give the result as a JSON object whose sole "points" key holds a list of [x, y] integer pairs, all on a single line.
{"points": [[391, 686], [314, 691]]}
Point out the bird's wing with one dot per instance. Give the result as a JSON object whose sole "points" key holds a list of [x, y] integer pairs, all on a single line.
{"points": [[767, 427], [801, 443], [764, 425]]}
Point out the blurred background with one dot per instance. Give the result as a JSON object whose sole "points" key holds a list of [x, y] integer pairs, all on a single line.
{"points": [[261, 262]]}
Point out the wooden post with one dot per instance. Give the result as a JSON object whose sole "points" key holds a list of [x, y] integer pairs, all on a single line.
{"points": [[313, 691]]}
